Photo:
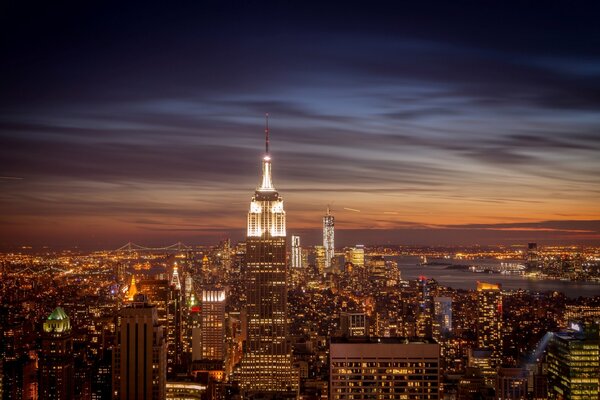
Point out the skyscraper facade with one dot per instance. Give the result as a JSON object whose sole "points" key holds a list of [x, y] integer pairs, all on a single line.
{"points": [[296, 252], [328, 238], [266, 365], [574, 364], [384, 368], [139, 356], [56, 361], [489, 321], [442, 317], [213, 324], [167, 299], [355, 255]]}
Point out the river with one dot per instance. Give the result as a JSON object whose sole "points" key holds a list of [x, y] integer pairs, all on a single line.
{"points": [[464, 279]]}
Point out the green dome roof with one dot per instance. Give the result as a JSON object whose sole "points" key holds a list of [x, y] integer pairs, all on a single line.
{"points": [[58, 314]]}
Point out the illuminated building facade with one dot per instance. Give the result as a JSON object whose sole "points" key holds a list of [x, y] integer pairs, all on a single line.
{"points": [[532, 255], [56, 362], [511, 384], [442, 317], [139, 356], [266, 364], [489, 321], [212, 313], [185, 391], [353, 324], [383, 368], [573, 364], [328, 238], [167, 299], [320, 258], [296, 252], [355, 255]]}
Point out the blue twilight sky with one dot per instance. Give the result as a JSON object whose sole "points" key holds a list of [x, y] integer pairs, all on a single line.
{"points": [[428, 123]]}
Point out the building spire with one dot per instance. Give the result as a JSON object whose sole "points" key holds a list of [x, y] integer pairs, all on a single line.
{"points": [[267, 133], [267, 183]]}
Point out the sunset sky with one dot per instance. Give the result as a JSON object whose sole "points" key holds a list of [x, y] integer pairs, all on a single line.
{"points": [[432, 124]]}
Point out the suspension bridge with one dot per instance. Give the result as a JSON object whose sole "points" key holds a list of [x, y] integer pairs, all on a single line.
{"points": [[133, 247]]}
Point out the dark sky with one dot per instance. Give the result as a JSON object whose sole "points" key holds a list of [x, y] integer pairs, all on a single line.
{"points": [[418, 122]]}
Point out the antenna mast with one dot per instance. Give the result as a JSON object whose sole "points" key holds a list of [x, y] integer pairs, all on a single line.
{"points": [[267, 132]]}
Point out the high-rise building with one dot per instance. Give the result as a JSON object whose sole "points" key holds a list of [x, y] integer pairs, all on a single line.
{"points": [[212, 312], [167, 299], [139, 356], [328, 238], [56, 362], [355, 255], [489, 321], [354, 324], [296, 252], [573, 364], [442, 317], [384, 368], [320, 258], [426, 289], [266, 365], [175, 278], [532, 255], [511, 384]]}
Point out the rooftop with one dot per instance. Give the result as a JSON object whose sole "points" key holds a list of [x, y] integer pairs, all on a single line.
{"points": [[58, 314], [384, 340]]}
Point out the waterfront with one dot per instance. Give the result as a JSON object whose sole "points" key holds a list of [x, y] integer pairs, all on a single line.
{"points": [[464, 279]]}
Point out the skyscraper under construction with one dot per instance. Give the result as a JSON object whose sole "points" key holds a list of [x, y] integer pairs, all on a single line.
{"points": [[266, 365]]}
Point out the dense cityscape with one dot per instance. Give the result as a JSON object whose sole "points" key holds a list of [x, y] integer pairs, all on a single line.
{"points": [[270, 318], [300, 200]]}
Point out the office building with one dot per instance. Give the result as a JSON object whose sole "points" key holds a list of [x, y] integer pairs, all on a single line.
{"points": [[212, 314], [266, 364], [320, 259], [489, 321], [482, 361], [167, 299], [296, 252], [442, 317], [139, 356], [354, 324], [511, 384], [355, 255], [384, 368], [573, 363], [533, 258], [185, 391], [56, 361], [328, 238]]}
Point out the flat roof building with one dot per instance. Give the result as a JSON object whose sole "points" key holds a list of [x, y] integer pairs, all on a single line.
{"points": [[384, 368]]}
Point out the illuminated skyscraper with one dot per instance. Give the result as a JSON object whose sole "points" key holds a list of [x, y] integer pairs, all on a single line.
{"points": [[266, 364], [573, 364], [167, 299], [139, 356], [56, 361], [328, 238], [489, 321], [175, 278], [442, 317], [296, 252], [353, 324], [213, 324], [384, 368], [320, 258], [355, 255]]}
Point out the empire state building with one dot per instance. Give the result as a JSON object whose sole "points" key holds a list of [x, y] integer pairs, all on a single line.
{"points": [[266, 365]]}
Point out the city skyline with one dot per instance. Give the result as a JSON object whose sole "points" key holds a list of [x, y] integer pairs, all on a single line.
{"points": [[415, 123]]}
